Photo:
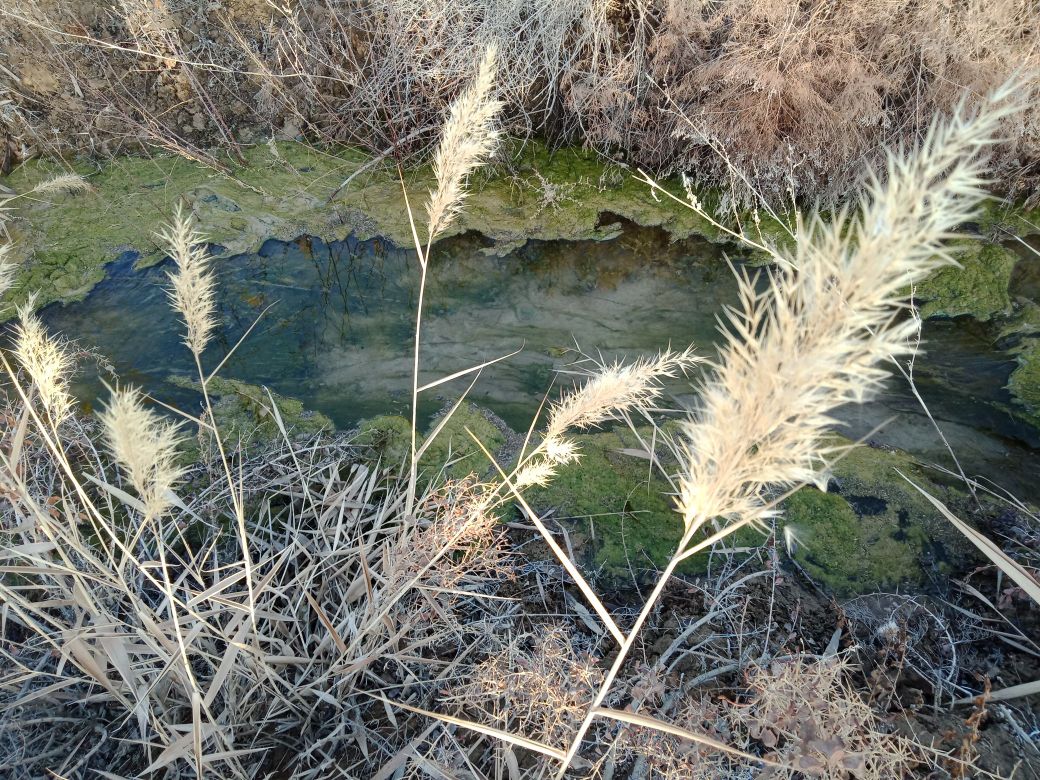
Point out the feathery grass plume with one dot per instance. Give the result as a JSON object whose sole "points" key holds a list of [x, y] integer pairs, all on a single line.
{"points": [[559, 450], [47, 359], [194, 288], [539, 473], [816, 336], [71, 183], [466, 140], [145, 446], [612, 390], [813, 339]]}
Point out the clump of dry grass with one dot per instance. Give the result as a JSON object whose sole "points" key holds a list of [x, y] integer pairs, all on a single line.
{"points": [[537, 685], [811, 721], [752, 96], [132, 625], [666, 757]]}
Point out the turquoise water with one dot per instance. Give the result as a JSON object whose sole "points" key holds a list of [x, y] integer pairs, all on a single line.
{"points": [[335, 330]]}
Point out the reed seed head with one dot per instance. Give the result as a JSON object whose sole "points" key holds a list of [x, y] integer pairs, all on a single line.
{"points": [[70, 183], [193, 291], [817, 335], [46, 359], [537, 473], [145, 447], [614, 390], [467, 140]]}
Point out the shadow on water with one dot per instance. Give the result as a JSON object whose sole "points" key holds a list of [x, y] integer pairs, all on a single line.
{"points": [[338, 334]]}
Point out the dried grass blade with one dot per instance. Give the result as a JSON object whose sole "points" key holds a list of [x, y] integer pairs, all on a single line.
{"points": [[340, 644], [667, 728], [1010, 567], [470, 370], [120, 494], [196, 730], [564, 559], [505, 736], [1013, 692], [390, 767]]}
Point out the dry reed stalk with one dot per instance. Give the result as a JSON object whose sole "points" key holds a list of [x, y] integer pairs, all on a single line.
{"points": [[467, 139], [814, 339], [7, 271], [193, 295]]}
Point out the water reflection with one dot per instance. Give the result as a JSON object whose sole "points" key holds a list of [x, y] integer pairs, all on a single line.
{"points": [[336, 332]]}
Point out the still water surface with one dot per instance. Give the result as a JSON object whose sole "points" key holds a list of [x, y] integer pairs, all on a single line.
{"points": [[336, 333]]}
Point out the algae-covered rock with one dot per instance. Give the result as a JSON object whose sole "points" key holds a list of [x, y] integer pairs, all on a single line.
{"points": [[1024, 383], [1023, 333], [620, 515], [283, 191], [388, 437], [999, 217], [977, 288], [873, 530], [452, 454], [243, 412], [453, 448]]}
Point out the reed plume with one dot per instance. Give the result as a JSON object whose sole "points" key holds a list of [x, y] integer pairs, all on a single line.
{"points": [[193, 291], [145, 447], [538, 472], [613, 390], [467, 139], [48, 361], [818, 333], [813, 338], [71, 183]]}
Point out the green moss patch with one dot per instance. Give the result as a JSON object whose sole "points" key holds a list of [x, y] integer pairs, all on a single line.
{"points": [[977, 288], [452, 452], [620, 517], [873, 530], [243, 412], [64, 241], [1022, 331]]}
